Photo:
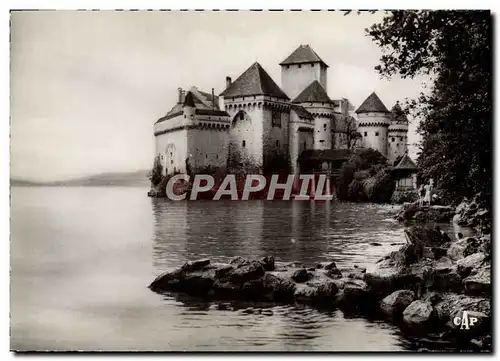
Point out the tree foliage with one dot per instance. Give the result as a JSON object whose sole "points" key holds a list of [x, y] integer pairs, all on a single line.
{"points": [[365, 176], [454, 47]]}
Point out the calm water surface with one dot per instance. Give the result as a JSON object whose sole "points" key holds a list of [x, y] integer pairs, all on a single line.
{"points": [[82, 258]]}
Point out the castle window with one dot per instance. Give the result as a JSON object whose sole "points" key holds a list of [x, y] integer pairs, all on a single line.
{"points": [[184, 115], [170, 154], [366, 134], [300, 66], [277, 143], [401, 138], [216, 156], [242, 116], [287, 66], [376, 134], [171, 162], [312, 65], [206, 156], [276, 119], [392, 139], [321, 141], [324, 126], [243, 143]]}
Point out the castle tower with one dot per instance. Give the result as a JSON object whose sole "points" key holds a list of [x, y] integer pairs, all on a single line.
{"points": [[373, 123], [260, 113], [300, 69], [316, 101], [398, 134]]}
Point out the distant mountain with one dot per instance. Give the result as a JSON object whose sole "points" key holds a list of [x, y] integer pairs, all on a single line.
{"points": [[126, 179]]}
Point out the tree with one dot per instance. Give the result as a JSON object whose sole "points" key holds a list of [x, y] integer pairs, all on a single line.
{"points": [[352, 134], [454, 47]]}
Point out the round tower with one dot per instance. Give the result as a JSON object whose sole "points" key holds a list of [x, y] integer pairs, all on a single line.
{"points": [[373, 123], [398, 134], [316, 101]]}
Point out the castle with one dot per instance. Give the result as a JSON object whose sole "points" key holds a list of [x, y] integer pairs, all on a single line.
{"points": [[257, 126]]}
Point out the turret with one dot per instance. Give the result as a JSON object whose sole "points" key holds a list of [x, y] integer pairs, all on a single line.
{"points": [[373, 123], [316, 101], [398, 133], [188, 107]]}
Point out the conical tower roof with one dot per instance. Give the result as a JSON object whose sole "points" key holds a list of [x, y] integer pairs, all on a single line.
{"points": [[254, 81], [303, 54], [189, 100], [372, 104], [313, 93], [398, 114]]}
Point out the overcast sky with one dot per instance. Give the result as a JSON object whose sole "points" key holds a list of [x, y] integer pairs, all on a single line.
{"points": [[86, 87]]}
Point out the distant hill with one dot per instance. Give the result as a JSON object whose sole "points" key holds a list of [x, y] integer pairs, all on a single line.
{"points": [[126, 179]]}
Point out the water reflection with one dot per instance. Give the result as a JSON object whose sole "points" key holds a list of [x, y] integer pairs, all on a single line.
{"points": [[301, 231]]}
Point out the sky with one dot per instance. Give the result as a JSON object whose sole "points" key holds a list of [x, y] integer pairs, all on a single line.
{"points": [[87, 86]]}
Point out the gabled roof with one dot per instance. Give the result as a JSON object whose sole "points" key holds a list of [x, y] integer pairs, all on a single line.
{"points": [[303, 54], [301, 111], [254, 81], [201, 101], [398, 114], [406, 163], [372, 104], [313, 93]]}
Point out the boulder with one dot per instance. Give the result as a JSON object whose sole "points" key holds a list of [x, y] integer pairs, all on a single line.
{"points": [[301, 275], [268, 263], [316, 292], [246, 272], [479, 281], [281, 288], [239, 261], [191, 266], [452, 303], [456, 250], [467, 264], [354, 294], [418, 313], [397, 301]]}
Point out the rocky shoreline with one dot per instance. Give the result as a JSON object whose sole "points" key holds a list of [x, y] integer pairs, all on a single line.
{"points": [[425, 286]]}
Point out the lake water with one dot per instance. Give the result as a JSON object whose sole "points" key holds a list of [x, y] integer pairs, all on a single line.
{"points": [[82, 258]]}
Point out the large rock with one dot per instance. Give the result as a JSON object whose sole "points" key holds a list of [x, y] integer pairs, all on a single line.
{"points": [[479, 281], [301, 275], [467, 264], [452, 303], [197, 265], [246, 272], [268, 263], [397, 301], [418, 313]]}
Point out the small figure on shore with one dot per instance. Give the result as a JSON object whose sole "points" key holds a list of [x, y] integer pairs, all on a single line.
{"points": [[421, 195]]}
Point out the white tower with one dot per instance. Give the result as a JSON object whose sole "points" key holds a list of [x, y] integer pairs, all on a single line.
{"points": [[373, 123], [398, 134], [315, 100], [300, 69]]}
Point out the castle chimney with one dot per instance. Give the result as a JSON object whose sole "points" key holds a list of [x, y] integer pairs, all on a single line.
{"points": [[180, 96], [228, 81], [213, 99]]}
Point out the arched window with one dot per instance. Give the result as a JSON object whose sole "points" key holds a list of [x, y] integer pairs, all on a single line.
{"points": [[243, 143], [376, 134], [277, 143]]}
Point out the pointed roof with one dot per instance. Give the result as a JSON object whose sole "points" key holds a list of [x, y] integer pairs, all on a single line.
{"points": [[406, 163], [372, 104], [303, 54], [398, 114], [189, 100], [312, 94], [254, 81]]}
